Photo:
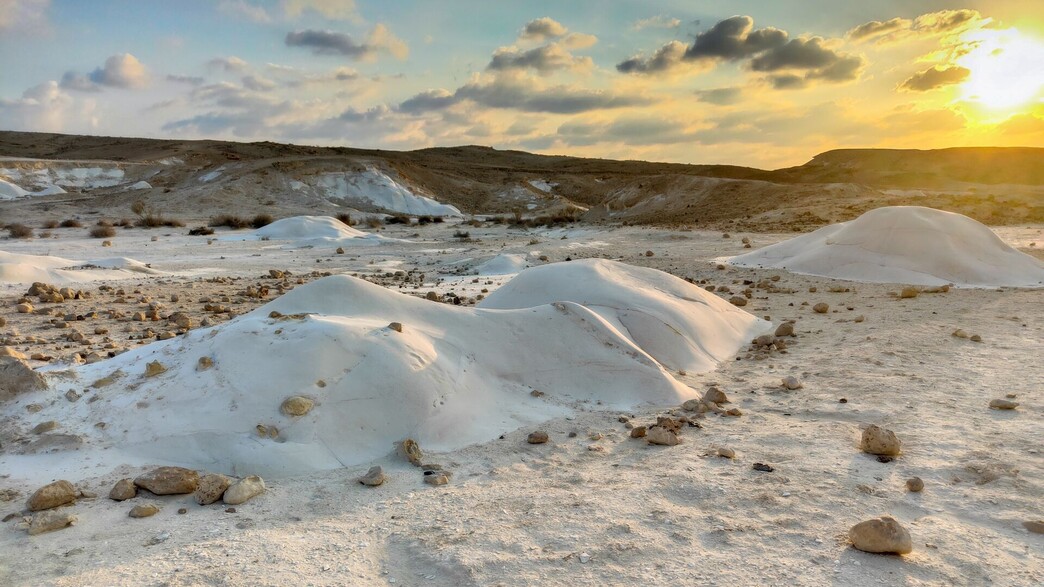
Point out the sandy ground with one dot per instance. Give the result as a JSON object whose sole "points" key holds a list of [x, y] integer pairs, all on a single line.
{"points": [[626, 512]]}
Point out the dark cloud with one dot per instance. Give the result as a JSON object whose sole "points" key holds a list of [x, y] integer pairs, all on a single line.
{"points": [[521, 94], [545, 59], [935, 77], [788, 81], [541, 29], [810, 56], [665, 59], [719, 96], [734, 38], [327, 42]]}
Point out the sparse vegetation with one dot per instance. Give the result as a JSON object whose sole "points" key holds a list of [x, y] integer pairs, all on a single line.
{"points": [[149, 218], [45, 234], [462, 235], [19, 231], [50, 224], [345, 218], [228, 220], [398, 219], [71, 223], [374, 222], [201, 231], [262, 220], [103, 230]]}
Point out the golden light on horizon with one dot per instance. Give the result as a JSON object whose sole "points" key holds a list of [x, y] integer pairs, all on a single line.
{"points": [[1006, 72]]}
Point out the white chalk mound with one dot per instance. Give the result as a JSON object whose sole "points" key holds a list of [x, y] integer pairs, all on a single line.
{"points": [[451, 377], [17, 268], [904, 244], [310, 230], [679, 324], [375, 187], [10, 191], [503, 264]]}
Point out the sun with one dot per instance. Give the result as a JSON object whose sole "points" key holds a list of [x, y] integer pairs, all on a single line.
{"points": [[1006, 70]]}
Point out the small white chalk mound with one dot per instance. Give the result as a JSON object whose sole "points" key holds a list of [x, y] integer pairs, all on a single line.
{"points": [[904, 244]]}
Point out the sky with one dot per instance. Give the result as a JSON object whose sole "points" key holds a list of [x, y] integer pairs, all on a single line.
{"points": [[763, 83]]}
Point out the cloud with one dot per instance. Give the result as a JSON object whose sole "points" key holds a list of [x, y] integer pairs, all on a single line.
{"points": [[659, 21], [23, 16], [243, 9], [119, 71], [186, 79], [731, 39], [926, 25], [258, 83], [720, 96], [935, 77], [331, 9], [545, 59], [876, 28], [229, 64], [810, 55], [734, 38], [326, 42], [46, 108], [626, 130], [522, 94], [665, 59], [542, 29]]}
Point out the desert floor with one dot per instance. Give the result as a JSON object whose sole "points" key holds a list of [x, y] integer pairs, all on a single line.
{"points": [[597, 507]]}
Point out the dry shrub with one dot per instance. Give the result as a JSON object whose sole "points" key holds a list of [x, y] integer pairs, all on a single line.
{"points": [[201, 231], [71, 223], [262, 220], [19, 231], [50, 224], [103, 231], [374, 222], [346, 219], [228, 220]]}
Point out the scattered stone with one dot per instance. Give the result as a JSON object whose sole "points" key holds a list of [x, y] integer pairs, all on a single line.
{"points": [[412, 451], [715, 396], [52, 495], [785, 329], [396, 326], [821, 308], [733, 412], [885, 459], [960, 333], [49, 521], [727, 453], [243, 490], [1003, 404], [230, 510], [662, 436], [914, 484], [638, 432], [182, 511], [44, 427], [1035, 526], [374, 477], [880, 441], [975, 338], [538, 437], [908, 292], [154, 368], [436, 478], [144, 510], [297, 406], [25, 308], [169, 480], [790, 382], [536, 393], [738, 301], [763, 467], [881, 535], [123, 490], [204, 363], [211, 487]]}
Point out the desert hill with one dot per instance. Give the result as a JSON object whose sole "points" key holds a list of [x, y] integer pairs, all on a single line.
{"points": [[66, 174]]}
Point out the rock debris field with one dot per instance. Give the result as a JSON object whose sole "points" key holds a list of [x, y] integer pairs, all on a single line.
{"points": [[317, 404]]}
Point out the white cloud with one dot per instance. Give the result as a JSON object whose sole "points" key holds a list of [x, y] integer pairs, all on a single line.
{"points": [[25, 16], [243, 9], [228, 64], [659, 21]]}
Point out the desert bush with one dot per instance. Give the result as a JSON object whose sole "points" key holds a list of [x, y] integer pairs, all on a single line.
{"points": [[19, 231], [50, 224], [374, 222], [71, 223], [398, 219], [437, 219], [103, 222], [228, 220], [462, 235], [124, 223], [201, 231], [424, 220], [261, 220], [102, 231], [45, 234], [345, 218], [149, 218]]}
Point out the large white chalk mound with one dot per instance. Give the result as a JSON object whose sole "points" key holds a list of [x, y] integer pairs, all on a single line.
{"points": [[904, 244], [453, 376], [679, 324], [17, 268], [310, 230]]}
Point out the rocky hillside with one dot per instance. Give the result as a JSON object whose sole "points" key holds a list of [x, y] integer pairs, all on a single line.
{"points": [[44, 175]]}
